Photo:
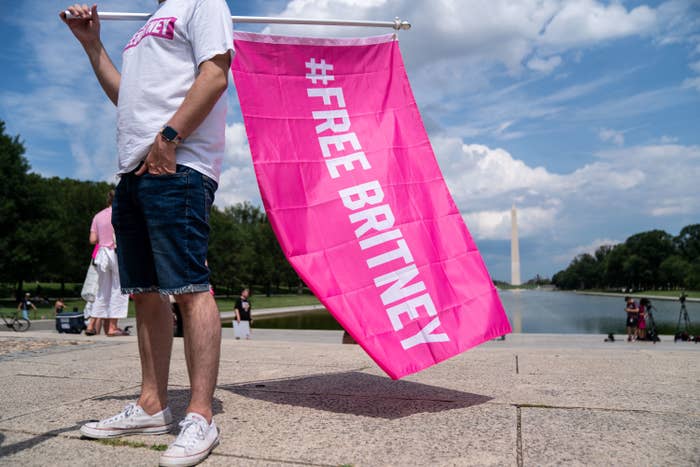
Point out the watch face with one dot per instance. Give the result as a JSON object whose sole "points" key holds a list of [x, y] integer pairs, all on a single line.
{"points": [[169, 133]]}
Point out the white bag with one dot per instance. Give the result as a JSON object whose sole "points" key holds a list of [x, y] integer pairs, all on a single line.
{"points": [[103, 259], [90, 285], [241, 330]]}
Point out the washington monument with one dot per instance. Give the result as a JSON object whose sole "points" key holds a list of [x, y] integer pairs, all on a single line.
{"points": [[514, 248]]}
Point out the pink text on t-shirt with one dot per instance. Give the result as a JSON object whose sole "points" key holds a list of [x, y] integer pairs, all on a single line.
{"points": [[158, 27]]}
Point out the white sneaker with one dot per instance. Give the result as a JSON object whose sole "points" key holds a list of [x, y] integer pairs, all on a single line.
{"points": [[132, 420], [196, 440]]}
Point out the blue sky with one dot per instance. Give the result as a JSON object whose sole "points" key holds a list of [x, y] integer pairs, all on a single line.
{"points": [[585, 113]]}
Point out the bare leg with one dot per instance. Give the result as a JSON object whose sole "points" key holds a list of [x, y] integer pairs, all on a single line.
{"points": [[154, 324], [91, 325], [111, 325], [202, 333]]}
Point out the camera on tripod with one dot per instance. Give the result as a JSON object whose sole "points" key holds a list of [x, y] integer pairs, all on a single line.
{"points": [[683, 326]]}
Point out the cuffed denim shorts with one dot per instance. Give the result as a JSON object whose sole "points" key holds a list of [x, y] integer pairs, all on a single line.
{"points": [[161, 223]]}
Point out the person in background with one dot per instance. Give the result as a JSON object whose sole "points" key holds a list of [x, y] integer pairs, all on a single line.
{"points": [[242, 309], [59, 306], [25, 304], [110, 304], [632, 315], [641, 319]]}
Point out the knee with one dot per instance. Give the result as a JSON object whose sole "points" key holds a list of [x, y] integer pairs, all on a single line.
{"points": [[186, 301], [191, 301]]}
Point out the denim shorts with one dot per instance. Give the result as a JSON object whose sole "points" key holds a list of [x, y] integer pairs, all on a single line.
{"points": [[161, 223]]}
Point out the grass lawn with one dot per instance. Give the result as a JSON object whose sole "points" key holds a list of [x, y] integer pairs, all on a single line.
{"points": [[653, 293], [671, 293], [275, 301], [224, 304]]}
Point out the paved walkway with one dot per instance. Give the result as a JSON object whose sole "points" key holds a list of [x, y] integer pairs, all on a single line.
{"points": [[226, 317], [293, 400]]}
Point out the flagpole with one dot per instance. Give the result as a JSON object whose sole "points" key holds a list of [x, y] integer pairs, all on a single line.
{"points": [[395, 24]]}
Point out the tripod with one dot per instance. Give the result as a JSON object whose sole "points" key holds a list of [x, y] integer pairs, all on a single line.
{"points": [[683, 316], [652, 333]]}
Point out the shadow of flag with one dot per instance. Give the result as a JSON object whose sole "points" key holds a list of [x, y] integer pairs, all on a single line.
{"points": [[358, 393]]}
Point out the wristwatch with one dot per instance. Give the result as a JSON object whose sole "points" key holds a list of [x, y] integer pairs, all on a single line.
{"points": [[170, 135]]}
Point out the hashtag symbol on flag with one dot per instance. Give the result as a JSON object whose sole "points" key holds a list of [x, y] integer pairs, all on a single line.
{"points": [[318, 71]]}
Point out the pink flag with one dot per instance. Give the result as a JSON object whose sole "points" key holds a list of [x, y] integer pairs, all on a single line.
{"points": [[356, 198]]}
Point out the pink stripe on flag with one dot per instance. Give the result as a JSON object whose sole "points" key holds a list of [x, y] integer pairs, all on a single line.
{"points": [[357, 200]]}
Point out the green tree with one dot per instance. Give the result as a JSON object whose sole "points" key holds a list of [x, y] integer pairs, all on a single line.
{"points": [[243, 251], [688, 242], [75, 203], [636, 271], [615, 267], [693, 278], [24, 215], [674, 272], [651, 248], [225, 245], [13, 193]]}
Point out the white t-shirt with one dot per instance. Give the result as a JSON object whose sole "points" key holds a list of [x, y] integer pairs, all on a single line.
{"points": [[160, 64]]}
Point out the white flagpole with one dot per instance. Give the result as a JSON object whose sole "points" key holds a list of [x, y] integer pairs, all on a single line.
{"points": [[395, 24]]}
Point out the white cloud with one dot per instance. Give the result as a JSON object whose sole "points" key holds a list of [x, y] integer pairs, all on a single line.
{"points": [[237, 150], [679, 20], [589, 248], [544, 65], [584, 22], [474, 170], [671, 207], [496, 225], [236, 185], [490, 31], [456, 52], [665, 139], [653, 180], [692, 83], [237, 182], [611, 136]]}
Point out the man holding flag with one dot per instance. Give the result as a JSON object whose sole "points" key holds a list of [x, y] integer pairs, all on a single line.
{"points": [[171, 109]]}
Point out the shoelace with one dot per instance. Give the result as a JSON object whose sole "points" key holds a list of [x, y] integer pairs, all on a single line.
{"points": [[126, 413], [188, 437]]}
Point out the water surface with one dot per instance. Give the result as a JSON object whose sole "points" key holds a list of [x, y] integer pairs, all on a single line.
{"points": [[537, 311]]}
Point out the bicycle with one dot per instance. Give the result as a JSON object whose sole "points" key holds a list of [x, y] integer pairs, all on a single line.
{"points": [[16, 324]]}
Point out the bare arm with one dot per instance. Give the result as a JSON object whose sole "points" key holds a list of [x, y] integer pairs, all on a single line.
{"points": [[93, 238], [203, 95], [200, 99], [86, 28]]}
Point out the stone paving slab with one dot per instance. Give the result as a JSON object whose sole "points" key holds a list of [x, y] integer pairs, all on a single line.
{"points": [[23, 395], [606, 437], [55, 449], [574, 378]]}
